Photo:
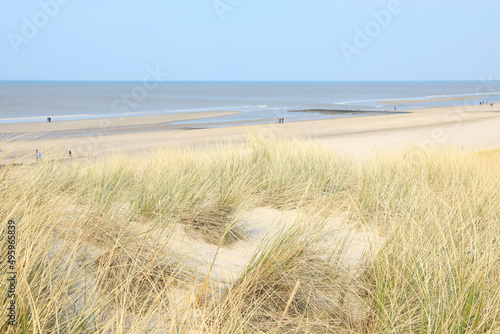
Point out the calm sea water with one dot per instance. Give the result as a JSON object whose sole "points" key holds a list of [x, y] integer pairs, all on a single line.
{"points": [[34, 101]]}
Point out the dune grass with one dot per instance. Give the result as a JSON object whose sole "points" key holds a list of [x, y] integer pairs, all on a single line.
{"points": [[94, 241]]}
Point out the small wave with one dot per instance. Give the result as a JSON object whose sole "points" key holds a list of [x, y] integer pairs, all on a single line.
{"points": [[31, 119], [35, 118], [460, 95], [250, 106], [437, 96], [350, 102]]}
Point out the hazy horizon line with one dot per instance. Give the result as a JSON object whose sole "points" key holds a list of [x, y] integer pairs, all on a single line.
{"points": [[233, 81]]}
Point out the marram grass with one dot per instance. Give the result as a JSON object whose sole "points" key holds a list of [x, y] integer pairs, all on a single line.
{"points": [[93, 238]]}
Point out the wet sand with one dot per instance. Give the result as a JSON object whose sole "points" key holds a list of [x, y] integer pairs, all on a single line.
{"points": [[107, 124], [467, 127]]}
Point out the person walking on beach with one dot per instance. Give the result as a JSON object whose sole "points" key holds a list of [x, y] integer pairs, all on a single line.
{"points": [[36, 154], [70, 154]]}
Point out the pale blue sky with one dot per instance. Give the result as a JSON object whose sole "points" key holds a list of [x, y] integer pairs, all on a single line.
{"points": [[250, 39]]}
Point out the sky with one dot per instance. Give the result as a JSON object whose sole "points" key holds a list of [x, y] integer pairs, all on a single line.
{"points": [[249, 40]]}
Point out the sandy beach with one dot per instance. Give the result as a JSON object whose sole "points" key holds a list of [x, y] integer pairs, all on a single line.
{"points": [[468, 127], [238, 167]]}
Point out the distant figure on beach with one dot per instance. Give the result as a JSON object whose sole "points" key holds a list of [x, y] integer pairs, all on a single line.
{"points": [[279, 120], [394, 108], [283, 120], [491, 104], [36, 154], [70, 154]]}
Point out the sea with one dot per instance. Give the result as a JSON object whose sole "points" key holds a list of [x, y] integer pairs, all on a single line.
{"points": [[258, 102]]}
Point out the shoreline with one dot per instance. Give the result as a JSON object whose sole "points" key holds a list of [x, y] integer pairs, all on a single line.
{"points": [[152, 123], [341, 111], [104, 124], [438, 99], [469, 127]]}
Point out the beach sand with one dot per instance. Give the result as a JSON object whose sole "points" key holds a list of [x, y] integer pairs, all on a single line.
{"points": [[468, 127]]}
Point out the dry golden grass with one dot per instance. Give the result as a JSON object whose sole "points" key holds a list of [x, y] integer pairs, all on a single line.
{"points": [[94, 248]]}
